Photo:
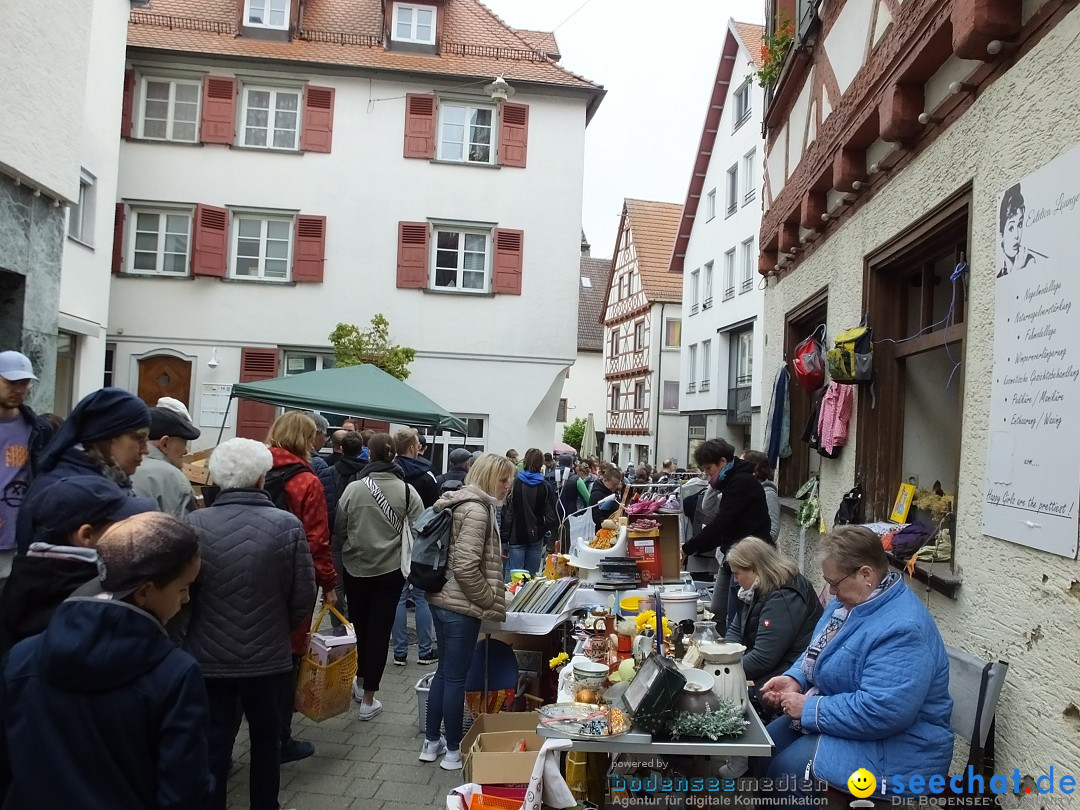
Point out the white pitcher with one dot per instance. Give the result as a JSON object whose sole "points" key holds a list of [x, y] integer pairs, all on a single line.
{"points": [[724, 663]]}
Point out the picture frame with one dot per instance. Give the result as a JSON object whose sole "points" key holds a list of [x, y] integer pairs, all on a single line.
{"points": [[902, 504]]}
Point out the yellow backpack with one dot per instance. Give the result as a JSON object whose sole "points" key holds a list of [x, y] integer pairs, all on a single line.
{"points": [[851, 360]]}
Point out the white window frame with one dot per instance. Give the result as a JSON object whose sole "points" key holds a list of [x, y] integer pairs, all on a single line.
{"points": [[414, 7], [710, 205], [615, 397], [267, 6], [639, 336], [446, 441], [461, 230], [170, 120], [80, 225], [729, 274], [731, 198], [749, 185], [234, 242], [691, 362], [706, 364], [744, 357], [695, 291], [708, 285], [639, 396], [748, 266], [301, 354], [270, 128], [161, 211], [743, 105], [469, 107]]}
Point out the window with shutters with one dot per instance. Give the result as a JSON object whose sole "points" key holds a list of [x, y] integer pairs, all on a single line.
{"points": [[267, 13], [271, 118], [261, 246], [466, 133], [413, 23], [169, 110], [159, 241], [462, 260]]}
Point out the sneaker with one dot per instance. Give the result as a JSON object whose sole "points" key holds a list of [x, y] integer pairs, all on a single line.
{"points": [[400, 662], [357, 692], [733, 768], [432, 749], [452, 760], [295, 750], [431, 658], [367, 711]]}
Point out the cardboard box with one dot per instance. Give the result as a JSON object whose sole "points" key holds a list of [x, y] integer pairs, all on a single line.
{"points": [[488, 752], [325, 648]]}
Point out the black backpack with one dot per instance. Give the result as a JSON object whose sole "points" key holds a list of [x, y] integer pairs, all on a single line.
{"points": [[851, 507], [275, 482]]}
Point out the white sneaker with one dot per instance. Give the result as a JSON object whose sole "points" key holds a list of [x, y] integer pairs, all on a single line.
{"points": [[452, 760], [357, 691], [432, 749], [367, 711], [733, 768]]}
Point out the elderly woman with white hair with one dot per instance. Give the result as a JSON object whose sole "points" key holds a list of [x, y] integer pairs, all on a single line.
{"points": [[256, 586]]}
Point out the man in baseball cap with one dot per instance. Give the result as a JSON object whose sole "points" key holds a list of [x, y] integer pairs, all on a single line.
{"points": [[159, 476], [23, 436], [72, 515]]}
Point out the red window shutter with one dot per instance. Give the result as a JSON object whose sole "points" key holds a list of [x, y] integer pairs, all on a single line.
{"points": [[210, 248], [127, 111], [309, 253], [218, 110], [118, 239], [253, 419], [509, 250], [513, 134], [318, 125], [412, 255], [420, 126]]}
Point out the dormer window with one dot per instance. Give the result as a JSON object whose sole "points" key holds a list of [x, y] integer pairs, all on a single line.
{"points": [[267, 14], [412, 23]]}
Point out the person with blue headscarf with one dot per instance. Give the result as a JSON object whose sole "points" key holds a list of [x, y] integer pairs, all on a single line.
{"points": [[107, 434]]}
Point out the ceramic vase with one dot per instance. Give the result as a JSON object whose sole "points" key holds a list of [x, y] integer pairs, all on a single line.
{"points": [[724, 663], [698, 694]]}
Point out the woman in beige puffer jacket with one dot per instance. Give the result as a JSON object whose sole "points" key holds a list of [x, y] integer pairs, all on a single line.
{"points": [[474, 592]]}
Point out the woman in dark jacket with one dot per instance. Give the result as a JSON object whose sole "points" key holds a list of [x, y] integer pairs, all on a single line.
{"points": [[609, 483], [256, 586], [779, 609], [528, 517]]}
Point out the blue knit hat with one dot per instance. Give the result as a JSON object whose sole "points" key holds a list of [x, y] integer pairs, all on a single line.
{"points": [[103, 414]]}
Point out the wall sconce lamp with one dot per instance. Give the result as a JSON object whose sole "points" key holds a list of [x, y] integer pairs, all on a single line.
{"points": [[213, 361], [499, 90]]}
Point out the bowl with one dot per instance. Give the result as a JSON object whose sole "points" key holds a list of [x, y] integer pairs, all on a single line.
{"points": [[590, 673], [697, 680]]}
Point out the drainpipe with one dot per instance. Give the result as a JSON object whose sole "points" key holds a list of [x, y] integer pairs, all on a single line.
{"points": [[660, 388]]}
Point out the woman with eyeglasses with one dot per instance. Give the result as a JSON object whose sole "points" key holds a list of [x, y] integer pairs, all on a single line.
{"points": [[872, 688]]}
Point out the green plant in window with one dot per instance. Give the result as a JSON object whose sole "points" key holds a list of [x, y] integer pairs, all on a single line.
{"points": [[774, 50], [354, 346]]}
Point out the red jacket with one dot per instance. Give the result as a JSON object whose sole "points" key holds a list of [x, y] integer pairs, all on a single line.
{"points": [[307, 500]]}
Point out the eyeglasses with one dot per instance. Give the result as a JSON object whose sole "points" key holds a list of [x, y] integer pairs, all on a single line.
{"points": [[835, 585]]}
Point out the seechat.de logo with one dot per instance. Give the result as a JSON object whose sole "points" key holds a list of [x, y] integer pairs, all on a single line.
{"points": [[862, 783]]}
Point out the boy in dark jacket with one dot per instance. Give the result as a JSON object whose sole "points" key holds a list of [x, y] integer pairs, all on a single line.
{"points": [[101, 710], [742, 512]]}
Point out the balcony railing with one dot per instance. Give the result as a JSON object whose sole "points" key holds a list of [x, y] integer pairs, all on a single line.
{"points": [[693, 309], [739, 411], [691, 388], [747, 285], [705, 385], [729, 293], [708, 303]]}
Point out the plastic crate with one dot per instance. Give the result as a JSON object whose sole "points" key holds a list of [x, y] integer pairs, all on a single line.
{"points": [[483, 801]]}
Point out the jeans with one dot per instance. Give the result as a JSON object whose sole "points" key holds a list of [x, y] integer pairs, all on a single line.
{"points": [[787, 767], [261, 701], [526, 556], [725, 600], [457, 635], [424, 629], [372, 603]]}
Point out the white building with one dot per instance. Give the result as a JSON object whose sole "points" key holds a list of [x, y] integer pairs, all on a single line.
{"points": [[583, 388], [280, 176], [716, 253], [58, 148], [642, 327]]}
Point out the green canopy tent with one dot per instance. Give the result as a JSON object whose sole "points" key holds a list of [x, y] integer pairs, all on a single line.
{"points": [[362, 391]]}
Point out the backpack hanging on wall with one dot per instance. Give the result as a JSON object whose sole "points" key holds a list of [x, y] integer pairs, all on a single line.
{"points": [[851, 507], [851, 360], [808, 362]]}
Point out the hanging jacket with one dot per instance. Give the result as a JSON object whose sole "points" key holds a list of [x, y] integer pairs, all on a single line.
{"points": [[835, 413], [101, 711], [775, 629], [778, 425]]}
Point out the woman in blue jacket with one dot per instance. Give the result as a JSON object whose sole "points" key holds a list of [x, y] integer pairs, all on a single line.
{"points": [[872, 689]]}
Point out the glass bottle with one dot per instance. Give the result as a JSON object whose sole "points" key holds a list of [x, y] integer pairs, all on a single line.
{"points": [[705, 633]]}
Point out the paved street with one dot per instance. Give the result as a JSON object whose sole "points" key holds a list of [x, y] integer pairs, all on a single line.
{"points": [[359, 766]]}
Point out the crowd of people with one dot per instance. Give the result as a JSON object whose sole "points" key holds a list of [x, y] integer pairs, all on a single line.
{"points": [[127, 612]]}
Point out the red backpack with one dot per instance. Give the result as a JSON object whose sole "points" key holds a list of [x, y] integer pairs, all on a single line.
{"points": [[809, 361]]}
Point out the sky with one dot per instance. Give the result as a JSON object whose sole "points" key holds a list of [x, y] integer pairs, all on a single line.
{"points": [[657, 60]]}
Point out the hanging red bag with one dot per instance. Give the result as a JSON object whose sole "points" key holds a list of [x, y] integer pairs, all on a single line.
{"points": [[808, 364]]}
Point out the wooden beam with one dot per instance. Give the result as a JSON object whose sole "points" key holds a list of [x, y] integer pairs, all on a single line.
{"points": [[898, 115], [975, 23], [849, 165]]}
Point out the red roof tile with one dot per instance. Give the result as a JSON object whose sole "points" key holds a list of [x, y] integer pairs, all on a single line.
{"points": [[543, 41], [753, 38], [653, 227]]}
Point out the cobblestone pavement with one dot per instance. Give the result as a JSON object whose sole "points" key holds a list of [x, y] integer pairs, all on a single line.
{"points": [[359, 765]]}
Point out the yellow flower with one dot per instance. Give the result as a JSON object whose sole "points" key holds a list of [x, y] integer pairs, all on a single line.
{"points": [[558, 660], [648, 619]]}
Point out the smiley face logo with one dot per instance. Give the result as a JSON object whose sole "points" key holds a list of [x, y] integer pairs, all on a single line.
{"points": [[861, 783]]}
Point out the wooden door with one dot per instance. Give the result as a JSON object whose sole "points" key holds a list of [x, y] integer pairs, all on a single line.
{"points": [[164, 376]]}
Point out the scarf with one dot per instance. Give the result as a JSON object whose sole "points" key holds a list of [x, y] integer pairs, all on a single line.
{"points": [[534, 479], [747, 594], [720, 476], [817, 646]]}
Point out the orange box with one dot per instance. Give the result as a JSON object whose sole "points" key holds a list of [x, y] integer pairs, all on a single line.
{"points": [[643, 547]]}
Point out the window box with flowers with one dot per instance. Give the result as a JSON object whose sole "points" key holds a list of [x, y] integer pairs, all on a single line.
{"points": [[774, 50]]}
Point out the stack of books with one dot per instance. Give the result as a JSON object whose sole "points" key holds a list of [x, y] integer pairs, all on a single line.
{"points": [[548, 596]]}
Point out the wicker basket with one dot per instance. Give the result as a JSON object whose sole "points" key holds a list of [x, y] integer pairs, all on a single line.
{"points": [[323, 692]]}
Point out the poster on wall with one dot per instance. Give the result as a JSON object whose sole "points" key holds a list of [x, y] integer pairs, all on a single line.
{"points": [[1032, 483]]}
